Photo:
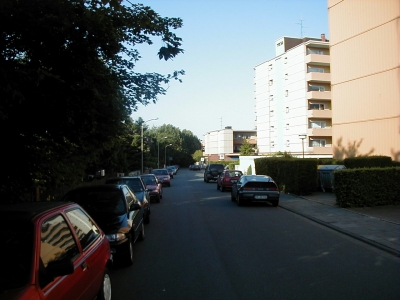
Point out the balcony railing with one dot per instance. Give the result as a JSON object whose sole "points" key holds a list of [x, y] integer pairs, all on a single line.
{"points": [[323, 114], [318, 77], [314, 95], [318, 59], [327, 131]]}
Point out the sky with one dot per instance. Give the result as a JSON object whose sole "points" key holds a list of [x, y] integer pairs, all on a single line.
{"points": [[223, 40]]}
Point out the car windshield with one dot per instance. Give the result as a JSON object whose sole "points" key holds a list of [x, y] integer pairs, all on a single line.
{"points": [[149, 180], [17, 246], [134, 183], [160, 172], [101, 201]]}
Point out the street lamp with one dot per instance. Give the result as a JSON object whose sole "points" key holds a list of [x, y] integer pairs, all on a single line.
{"points": [[302, 137], [165, 163], [142, 138], [158, 161]]}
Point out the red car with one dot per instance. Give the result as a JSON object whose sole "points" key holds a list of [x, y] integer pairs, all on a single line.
{"points": [[227, 178], [53, 250], [163, 176], [153, 186]]}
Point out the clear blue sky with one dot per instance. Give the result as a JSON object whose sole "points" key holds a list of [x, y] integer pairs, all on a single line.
{"points": [[223, 41]]}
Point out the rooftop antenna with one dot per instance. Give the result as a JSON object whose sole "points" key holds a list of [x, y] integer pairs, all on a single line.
{"points": [[301, 26]]}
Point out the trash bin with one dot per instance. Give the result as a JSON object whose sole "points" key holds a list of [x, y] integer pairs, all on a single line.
{"points": [[325, 176]]}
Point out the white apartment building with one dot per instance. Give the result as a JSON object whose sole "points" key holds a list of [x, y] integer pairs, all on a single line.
{"points": [[293, 99], [224, 144]]}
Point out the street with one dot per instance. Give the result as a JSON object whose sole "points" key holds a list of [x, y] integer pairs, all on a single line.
{"points": [[201, 245]]}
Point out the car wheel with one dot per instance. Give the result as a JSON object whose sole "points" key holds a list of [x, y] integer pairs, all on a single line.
{"points": [[169, 184], [105, 289], [207, 181], [239, 201], [275, 203], [217, 186], [222, 188], [146, 218], [142, 235], [158, 198], [129, 255], [232, 198]]}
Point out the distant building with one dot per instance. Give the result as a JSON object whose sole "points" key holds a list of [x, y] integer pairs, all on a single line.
{"points": [[365, 63], [224, 144], [293, 99]]}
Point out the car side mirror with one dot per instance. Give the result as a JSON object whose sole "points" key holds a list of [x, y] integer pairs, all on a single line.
{"points": [[135, 206]]}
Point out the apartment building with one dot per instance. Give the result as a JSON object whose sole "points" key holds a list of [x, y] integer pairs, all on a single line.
{"points": [[293, 99], [224, 144], [365, 65]]}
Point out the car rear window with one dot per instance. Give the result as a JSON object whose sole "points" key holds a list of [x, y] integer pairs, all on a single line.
{"points": [[260, 184]]}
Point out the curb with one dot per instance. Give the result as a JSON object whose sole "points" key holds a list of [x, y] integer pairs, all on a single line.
{"points": [[348, 233]]}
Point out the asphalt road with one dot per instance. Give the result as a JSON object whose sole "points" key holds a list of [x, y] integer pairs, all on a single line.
{"points": [[201, 245]]}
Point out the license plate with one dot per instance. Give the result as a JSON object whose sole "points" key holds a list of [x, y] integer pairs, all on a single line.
{"points": [[261, 197]]}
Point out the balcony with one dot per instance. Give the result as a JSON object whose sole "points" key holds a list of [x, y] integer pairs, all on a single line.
{"points": [[322, 132], [318, 77], [320, 150], [315, 95], [323, 114], [318, 59]]}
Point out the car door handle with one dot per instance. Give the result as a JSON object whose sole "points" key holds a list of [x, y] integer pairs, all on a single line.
{"points": [[84, 265]]}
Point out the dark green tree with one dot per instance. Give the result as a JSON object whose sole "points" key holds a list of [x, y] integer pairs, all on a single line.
{"points": [[246, 149], [69, 85]]}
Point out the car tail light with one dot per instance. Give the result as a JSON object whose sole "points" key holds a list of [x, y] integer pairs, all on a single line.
{"points": [[249, 189]]}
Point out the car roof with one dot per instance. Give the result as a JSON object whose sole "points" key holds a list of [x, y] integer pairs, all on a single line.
{"points": [[98, 187], [29, 210]]}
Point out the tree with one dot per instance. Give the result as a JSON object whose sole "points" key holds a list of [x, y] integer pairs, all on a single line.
{"points": [[69, 84], [246, 149]]}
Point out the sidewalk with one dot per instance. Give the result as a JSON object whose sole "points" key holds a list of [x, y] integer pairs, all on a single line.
{"points": [[378, 226]]}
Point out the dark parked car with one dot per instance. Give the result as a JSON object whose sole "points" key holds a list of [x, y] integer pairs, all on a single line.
{"points": [[138, 187], [52, 250], [227, 179], [163, 176], [212, 171], [255, 188], [117, 211], [153, 186], [195, 168], [171, 172]]}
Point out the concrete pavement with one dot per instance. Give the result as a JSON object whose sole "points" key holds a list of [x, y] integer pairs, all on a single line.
{"points": [[378, 226]]}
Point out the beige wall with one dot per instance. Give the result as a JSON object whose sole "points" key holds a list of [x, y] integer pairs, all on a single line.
{"points": [[365, 74]]}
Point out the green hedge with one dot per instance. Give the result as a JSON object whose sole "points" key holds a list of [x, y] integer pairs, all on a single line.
{"points": [[297, 176], [367, 187], [368, 162]]}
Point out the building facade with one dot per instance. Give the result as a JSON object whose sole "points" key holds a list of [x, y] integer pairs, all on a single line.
{"points": [[293, 99], [225, 144], [365, 64]]}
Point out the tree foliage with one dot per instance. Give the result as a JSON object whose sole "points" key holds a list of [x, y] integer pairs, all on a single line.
{"points": [[69, 85], [246, 149]]}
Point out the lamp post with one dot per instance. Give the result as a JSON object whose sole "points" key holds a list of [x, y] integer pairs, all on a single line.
{"points": [[165, 163], [142, 138], [302, 137], [158, 161]]}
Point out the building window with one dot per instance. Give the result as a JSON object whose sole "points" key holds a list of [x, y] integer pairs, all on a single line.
{"points": [[285, 60], [317, 124], [317, 143], [270, 67], [317, 106], [272, 128], [287, 109], [287, 143], [317, 88], [318, 70], [286, 93], [315, 51], [287, 126], [286, 76], [271, 97], [271, 82]]}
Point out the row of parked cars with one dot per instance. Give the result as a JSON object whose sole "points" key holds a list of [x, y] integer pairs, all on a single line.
{"points": [[64, 249], [244, 188]]}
